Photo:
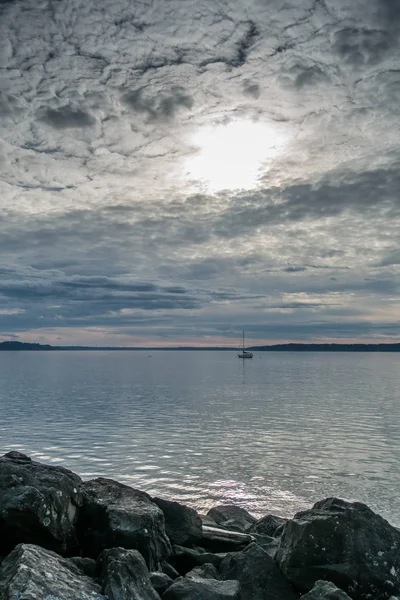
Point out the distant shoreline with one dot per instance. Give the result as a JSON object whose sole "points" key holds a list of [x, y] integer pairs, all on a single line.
{"points": [[294, 347]]}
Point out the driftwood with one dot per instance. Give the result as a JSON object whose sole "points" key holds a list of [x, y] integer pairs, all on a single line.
{"points": [[224, 535]]}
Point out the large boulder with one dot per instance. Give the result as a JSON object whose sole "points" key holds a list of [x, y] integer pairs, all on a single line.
{"points": [[202, 589], [325, 590], [345, 543], [114, 515], [232, 517], [182, 524], [125, 575], [259, 576], [38, 504], [31, 572]]}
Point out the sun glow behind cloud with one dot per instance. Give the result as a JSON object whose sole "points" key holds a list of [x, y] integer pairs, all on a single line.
{"points": [[233, 156]]}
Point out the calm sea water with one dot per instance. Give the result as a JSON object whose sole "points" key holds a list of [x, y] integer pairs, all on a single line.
{"points": [[273, 434]]}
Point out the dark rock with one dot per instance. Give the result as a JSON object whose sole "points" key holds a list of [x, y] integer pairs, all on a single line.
{"points": [[169, 570], [345, 543], [88, 566], [185, 559], [206, 571], [30, 572], [269, 525], [259, 576], [234, 518], [182, 524], [269, 544], [38, 504], [114, 515], [325, 590], [202, 589], [160, 582], [125, 575], [208, 521]]}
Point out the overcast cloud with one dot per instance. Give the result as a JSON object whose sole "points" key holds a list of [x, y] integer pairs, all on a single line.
{"points": [[111, 233]]}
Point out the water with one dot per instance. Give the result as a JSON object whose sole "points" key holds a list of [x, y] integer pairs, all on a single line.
{"points": [[273, 434]]}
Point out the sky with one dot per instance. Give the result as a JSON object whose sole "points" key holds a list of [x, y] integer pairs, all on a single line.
{"points": [[175, 171]]}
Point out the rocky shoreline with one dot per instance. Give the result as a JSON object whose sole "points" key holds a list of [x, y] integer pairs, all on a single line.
{"points": [[62, 538]]}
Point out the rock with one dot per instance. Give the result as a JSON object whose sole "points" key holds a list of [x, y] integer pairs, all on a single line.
{"points": [[169, 570], [185, 559], [259, 576], [269, 544], [234, 518], [115, 515], [208, 521], [88, 566], [269, 525], [160, 582], [325, 590], [182, 524], [206, 571], [38, 504], [202, 589], [30, 572], [345, 543], [125, 575]]}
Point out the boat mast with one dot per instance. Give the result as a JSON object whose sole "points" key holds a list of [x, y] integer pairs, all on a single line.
{"points": [[243, 341]]}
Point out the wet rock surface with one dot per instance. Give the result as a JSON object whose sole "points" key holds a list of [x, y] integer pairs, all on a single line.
{"points": [[202, 589], [345, 543], [259, 576], [125, 575], [114, 514], [116, 535], [234, 518], [30, 572], [38, 504], [325, 590], [269, 525], [182, 524]]}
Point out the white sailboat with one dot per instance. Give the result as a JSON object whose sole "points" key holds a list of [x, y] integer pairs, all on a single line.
{"points": [[244, 353]]}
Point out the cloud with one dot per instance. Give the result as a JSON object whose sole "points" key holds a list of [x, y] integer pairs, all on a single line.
{"points": [[66, 117], [162, 107], [103, 104]]}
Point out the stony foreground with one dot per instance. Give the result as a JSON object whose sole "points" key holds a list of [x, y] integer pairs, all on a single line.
{"points": [[65, 539]]}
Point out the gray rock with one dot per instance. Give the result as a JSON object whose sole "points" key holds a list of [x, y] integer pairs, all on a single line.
{"points": [[185, 559], [202, 589], [208, 521], [206, 571], [231, 517], [30, 572], [160, 581], [182, 524], [345, 543], [269, 525], [169, 570], [125, 575], [38, 504], [269, 544], [88, 566], [115, 515], [325, 590], [259, 576]]}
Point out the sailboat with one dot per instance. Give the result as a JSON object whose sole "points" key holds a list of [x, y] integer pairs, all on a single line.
{"points": [[244, 353]]}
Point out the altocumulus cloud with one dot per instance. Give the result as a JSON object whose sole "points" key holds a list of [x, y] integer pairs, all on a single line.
{"points": [[105, 236]]}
